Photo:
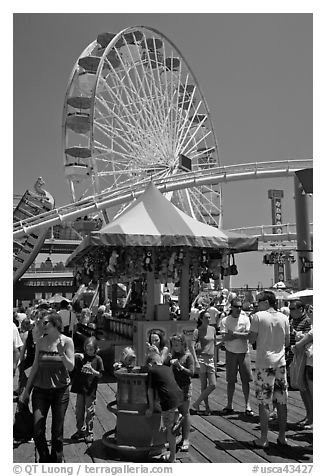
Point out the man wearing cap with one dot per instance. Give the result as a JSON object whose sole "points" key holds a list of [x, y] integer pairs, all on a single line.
{"points": [[271, 331], [235, 330]]}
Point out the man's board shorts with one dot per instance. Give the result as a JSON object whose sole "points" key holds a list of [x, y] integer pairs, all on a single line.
{"points": [[271, 385], [235, 362]]}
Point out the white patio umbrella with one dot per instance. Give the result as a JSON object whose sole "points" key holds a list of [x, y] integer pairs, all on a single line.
{"points": [[281, 294], [57, 298], [279, 285], [300, 294]]}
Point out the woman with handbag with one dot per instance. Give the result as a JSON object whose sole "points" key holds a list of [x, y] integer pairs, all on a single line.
{"points": [[49, 376], [203, 350]]}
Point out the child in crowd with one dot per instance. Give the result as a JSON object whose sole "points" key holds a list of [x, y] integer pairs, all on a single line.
{"points": [[182, 363], [127, 359], [203, 352], [161, 380], [88, 369]]}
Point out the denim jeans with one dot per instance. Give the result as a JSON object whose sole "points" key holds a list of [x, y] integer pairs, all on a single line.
{"points": [[42, 400]]}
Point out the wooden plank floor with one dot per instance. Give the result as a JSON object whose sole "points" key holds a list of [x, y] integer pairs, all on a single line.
{"points": [[214, 439]]}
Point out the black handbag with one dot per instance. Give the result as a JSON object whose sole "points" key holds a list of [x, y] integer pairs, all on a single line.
{"points": [[23, 423], [233, 270]]}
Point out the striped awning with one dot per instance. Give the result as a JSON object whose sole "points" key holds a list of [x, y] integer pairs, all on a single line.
{"points": [[152, 220]]}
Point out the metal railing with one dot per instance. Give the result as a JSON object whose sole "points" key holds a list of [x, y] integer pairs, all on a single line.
{"points": [[47, 271], [266, 231]]}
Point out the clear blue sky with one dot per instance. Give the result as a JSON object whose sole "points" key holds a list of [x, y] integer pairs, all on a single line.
{"points": [[256, 73]]}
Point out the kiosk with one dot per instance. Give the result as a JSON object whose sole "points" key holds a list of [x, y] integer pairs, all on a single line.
{"points": [[149, 244]]}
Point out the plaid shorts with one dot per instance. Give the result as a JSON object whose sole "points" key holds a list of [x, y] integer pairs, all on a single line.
{"points": [[271, 385]]}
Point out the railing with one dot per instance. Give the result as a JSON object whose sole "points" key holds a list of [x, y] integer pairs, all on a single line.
{"points": [[267, 230], [122, 327], [52, 271]]}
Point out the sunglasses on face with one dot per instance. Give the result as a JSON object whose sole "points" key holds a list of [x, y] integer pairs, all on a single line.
{"points": [[294, 308], [237, 307]]}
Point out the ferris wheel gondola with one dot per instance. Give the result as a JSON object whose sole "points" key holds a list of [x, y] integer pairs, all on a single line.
{"points": [[134, 112]]}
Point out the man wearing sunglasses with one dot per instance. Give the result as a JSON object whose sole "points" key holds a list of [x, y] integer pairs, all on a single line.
{"points": [[235, 329], [270, 330]]}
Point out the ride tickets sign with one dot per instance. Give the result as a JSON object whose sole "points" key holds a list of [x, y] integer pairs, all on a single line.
{"points": [[48, 282]]}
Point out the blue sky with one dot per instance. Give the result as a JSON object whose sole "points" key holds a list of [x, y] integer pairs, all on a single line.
{"points": [[256, 73]]}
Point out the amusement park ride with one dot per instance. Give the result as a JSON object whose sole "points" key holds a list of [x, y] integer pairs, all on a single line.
{"points": [[134, 113]]}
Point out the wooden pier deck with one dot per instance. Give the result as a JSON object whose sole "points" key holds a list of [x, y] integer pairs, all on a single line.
{"points": [[214, 439]]}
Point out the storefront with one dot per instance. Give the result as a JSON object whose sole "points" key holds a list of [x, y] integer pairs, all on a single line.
{"points": [[43, 285]]}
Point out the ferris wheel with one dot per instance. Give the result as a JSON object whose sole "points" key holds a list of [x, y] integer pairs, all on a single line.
{"points": [[134, 112]]}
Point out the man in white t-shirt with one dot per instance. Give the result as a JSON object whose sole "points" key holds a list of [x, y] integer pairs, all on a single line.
{"points": [[21, 315], [214, 313], [235, 331], [271, 331], [68, 318]]}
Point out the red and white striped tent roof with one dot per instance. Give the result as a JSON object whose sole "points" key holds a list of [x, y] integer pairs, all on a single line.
{"points": [[152, 220]]}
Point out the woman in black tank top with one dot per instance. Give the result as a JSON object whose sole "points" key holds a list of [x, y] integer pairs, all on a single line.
{"points": [[54, 359]]}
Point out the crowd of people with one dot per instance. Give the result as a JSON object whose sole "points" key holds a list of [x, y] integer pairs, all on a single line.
{"points": [[50, 368]]}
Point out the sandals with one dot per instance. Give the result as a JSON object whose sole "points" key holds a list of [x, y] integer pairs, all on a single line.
{"points": [[282, 444], [255, 445], [185, 446], [177, 424], [304, 425], [272, 416], [195, 408], [249, 412], [307, 426], [227, 411]]}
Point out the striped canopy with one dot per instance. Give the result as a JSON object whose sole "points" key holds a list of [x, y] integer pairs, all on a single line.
{"points": [[152, 220]]}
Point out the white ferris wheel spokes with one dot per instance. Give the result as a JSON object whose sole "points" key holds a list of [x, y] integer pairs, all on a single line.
{"points": [[134, 111]]}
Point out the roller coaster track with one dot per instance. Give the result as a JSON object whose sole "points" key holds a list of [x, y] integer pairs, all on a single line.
{"points": [[122, 195]]}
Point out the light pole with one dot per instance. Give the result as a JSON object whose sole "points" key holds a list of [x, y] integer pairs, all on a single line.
{"points": [[303, 236]]}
